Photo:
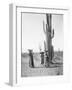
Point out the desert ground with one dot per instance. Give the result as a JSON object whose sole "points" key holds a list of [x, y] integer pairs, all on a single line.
{"points": [[56, 68]]}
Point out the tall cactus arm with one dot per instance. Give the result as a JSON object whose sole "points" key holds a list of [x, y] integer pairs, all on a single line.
{"points": [[44, 27], [52, 33], [40, 48], [44, 45], [47, 18]]}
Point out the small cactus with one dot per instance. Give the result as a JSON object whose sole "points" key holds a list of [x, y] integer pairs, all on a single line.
{"points": [[31, 60]]}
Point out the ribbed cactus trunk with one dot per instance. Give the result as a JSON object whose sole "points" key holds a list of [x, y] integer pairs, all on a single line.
{"points": [[48, 34]]}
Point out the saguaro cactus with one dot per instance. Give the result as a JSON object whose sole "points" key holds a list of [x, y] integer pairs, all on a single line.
{"points": [[49, 33]]}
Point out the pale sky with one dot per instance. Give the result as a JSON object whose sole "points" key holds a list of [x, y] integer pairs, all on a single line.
{"points": [[33, 35]]}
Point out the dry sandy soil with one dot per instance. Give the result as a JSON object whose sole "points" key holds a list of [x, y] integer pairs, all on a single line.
{"points": [[40, 70]]}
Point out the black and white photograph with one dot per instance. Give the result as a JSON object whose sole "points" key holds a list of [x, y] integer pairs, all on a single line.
{"points": [[36, 43], [41, 44]]}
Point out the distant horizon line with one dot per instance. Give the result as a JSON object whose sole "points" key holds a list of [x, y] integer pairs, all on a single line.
{"points": [[43, 51]]}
